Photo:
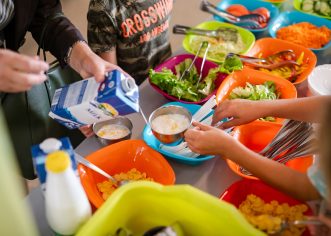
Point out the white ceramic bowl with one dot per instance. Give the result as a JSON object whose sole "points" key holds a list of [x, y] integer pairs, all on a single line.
{"points": [[319, 81]]}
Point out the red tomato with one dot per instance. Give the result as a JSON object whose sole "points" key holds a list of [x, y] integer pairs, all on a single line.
{"points": [[262, 11], [237, 10]]}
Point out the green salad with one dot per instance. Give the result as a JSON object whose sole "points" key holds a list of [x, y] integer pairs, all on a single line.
{"points": [[229, 41], [266, 91], [186, 88]]}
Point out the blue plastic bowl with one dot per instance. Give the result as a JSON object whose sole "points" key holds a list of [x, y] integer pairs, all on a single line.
{"points": [[293, 17], [251, 5], [154, 143]]}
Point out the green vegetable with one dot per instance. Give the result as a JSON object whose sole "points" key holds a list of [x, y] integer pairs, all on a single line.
{"points": [[266, 91], [325, 9], [187, 87], [231, 64], [321, 7]]}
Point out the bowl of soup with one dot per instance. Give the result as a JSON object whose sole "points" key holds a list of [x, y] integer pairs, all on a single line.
{"points": [[169, 123], [113, 130]]}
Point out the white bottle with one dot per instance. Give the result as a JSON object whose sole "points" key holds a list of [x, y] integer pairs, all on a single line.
{"points": [[67, 206]]}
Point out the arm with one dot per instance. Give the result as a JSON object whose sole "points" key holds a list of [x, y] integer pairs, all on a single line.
{"points": [[109, 56], [210, 140], [61, 35], [245, 111]]}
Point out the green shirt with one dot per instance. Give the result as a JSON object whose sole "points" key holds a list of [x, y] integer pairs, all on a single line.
{"points": [[138, 29]]}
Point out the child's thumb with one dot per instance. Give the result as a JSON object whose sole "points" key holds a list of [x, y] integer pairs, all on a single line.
{"points": [[201, 126]]}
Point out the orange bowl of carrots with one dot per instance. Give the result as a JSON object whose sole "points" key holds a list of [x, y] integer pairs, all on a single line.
{"points": [[256, 136], [303, 56]]}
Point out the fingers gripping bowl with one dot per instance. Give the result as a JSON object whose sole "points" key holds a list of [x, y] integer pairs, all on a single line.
{"points": [[169, 123]]}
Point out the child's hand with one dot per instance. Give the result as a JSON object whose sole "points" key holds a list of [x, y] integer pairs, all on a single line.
{"points": [[242, 111], [205, 140], [87, 131]]}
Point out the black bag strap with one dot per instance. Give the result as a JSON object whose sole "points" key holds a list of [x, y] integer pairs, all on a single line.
{"points": [[41, 44]]}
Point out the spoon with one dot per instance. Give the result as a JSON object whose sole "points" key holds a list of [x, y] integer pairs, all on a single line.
{"points": [[90, 165], [287, 224], [250, 21]]}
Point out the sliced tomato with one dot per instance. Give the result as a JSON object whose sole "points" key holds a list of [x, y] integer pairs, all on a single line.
{"points": [[237, 10], [263, 11]]}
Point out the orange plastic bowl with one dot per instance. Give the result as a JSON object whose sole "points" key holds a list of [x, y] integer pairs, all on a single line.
{"points": [[121, 157], [239, 78], [267, 46], [238, 192], [256, 136]]}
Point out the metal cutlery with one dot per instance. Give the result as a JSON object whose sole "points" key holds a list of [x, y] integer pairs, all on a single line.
{"points": [[267, 62], [97, 169], [221, 34], [203, 61], [188, 69], [286, 224], [294, 140], [250, 21]]}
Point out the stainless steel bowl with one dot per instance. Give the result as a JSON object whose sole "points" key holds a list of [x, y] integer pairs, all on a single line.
{"points": [[120, 120], [169, 138]]}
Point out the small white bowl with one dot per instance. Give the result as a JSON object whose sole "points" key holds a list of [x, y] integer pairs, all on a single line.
{"points": [[319, 81]]}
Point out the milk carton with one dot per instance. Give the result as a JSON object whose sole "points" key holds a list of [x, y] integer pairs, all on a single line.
{"points": [[87, 101], [40, 152]]}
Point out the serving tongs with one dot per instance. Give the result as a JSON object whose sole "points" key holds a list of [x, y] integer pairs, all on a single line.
{"points": [[222, 33], [250, 21], [268, 62], [188, 69]]}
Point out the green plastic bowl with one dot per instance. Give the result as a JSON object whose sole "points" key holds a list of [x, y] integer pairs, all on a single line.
{"points": [[297, 6], [247, 36], [141, 205]]}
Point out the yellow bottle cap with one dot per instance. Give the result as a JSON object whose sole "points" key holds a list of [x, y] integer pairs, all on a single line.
{"points": [[57, 162]]}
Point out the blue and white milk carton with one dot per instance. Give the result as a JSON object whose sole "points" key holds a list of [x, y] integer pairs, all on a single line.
{"points": [[87, 101], [40, 152]]}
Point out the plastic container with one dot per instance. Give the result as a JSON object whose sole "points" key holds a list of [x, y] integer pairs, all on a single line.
{"points": [[256, 136], [122, 157], [268, 46], [319, 81], [293, 17], [238, 192], [254, 77], [173, 61], [143, 205], [40, 152], [66, 203], [251, 5], [247, 36], [297, 6]]}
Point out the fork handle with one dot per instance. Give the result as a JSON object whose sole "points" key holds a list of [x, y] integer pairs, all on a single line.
{"points": [[181, 29], [210, 8]]}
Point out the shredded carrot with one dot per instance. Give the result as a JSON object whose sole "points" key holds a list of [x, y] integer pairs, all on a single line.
{"points": [[305, 34]]}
